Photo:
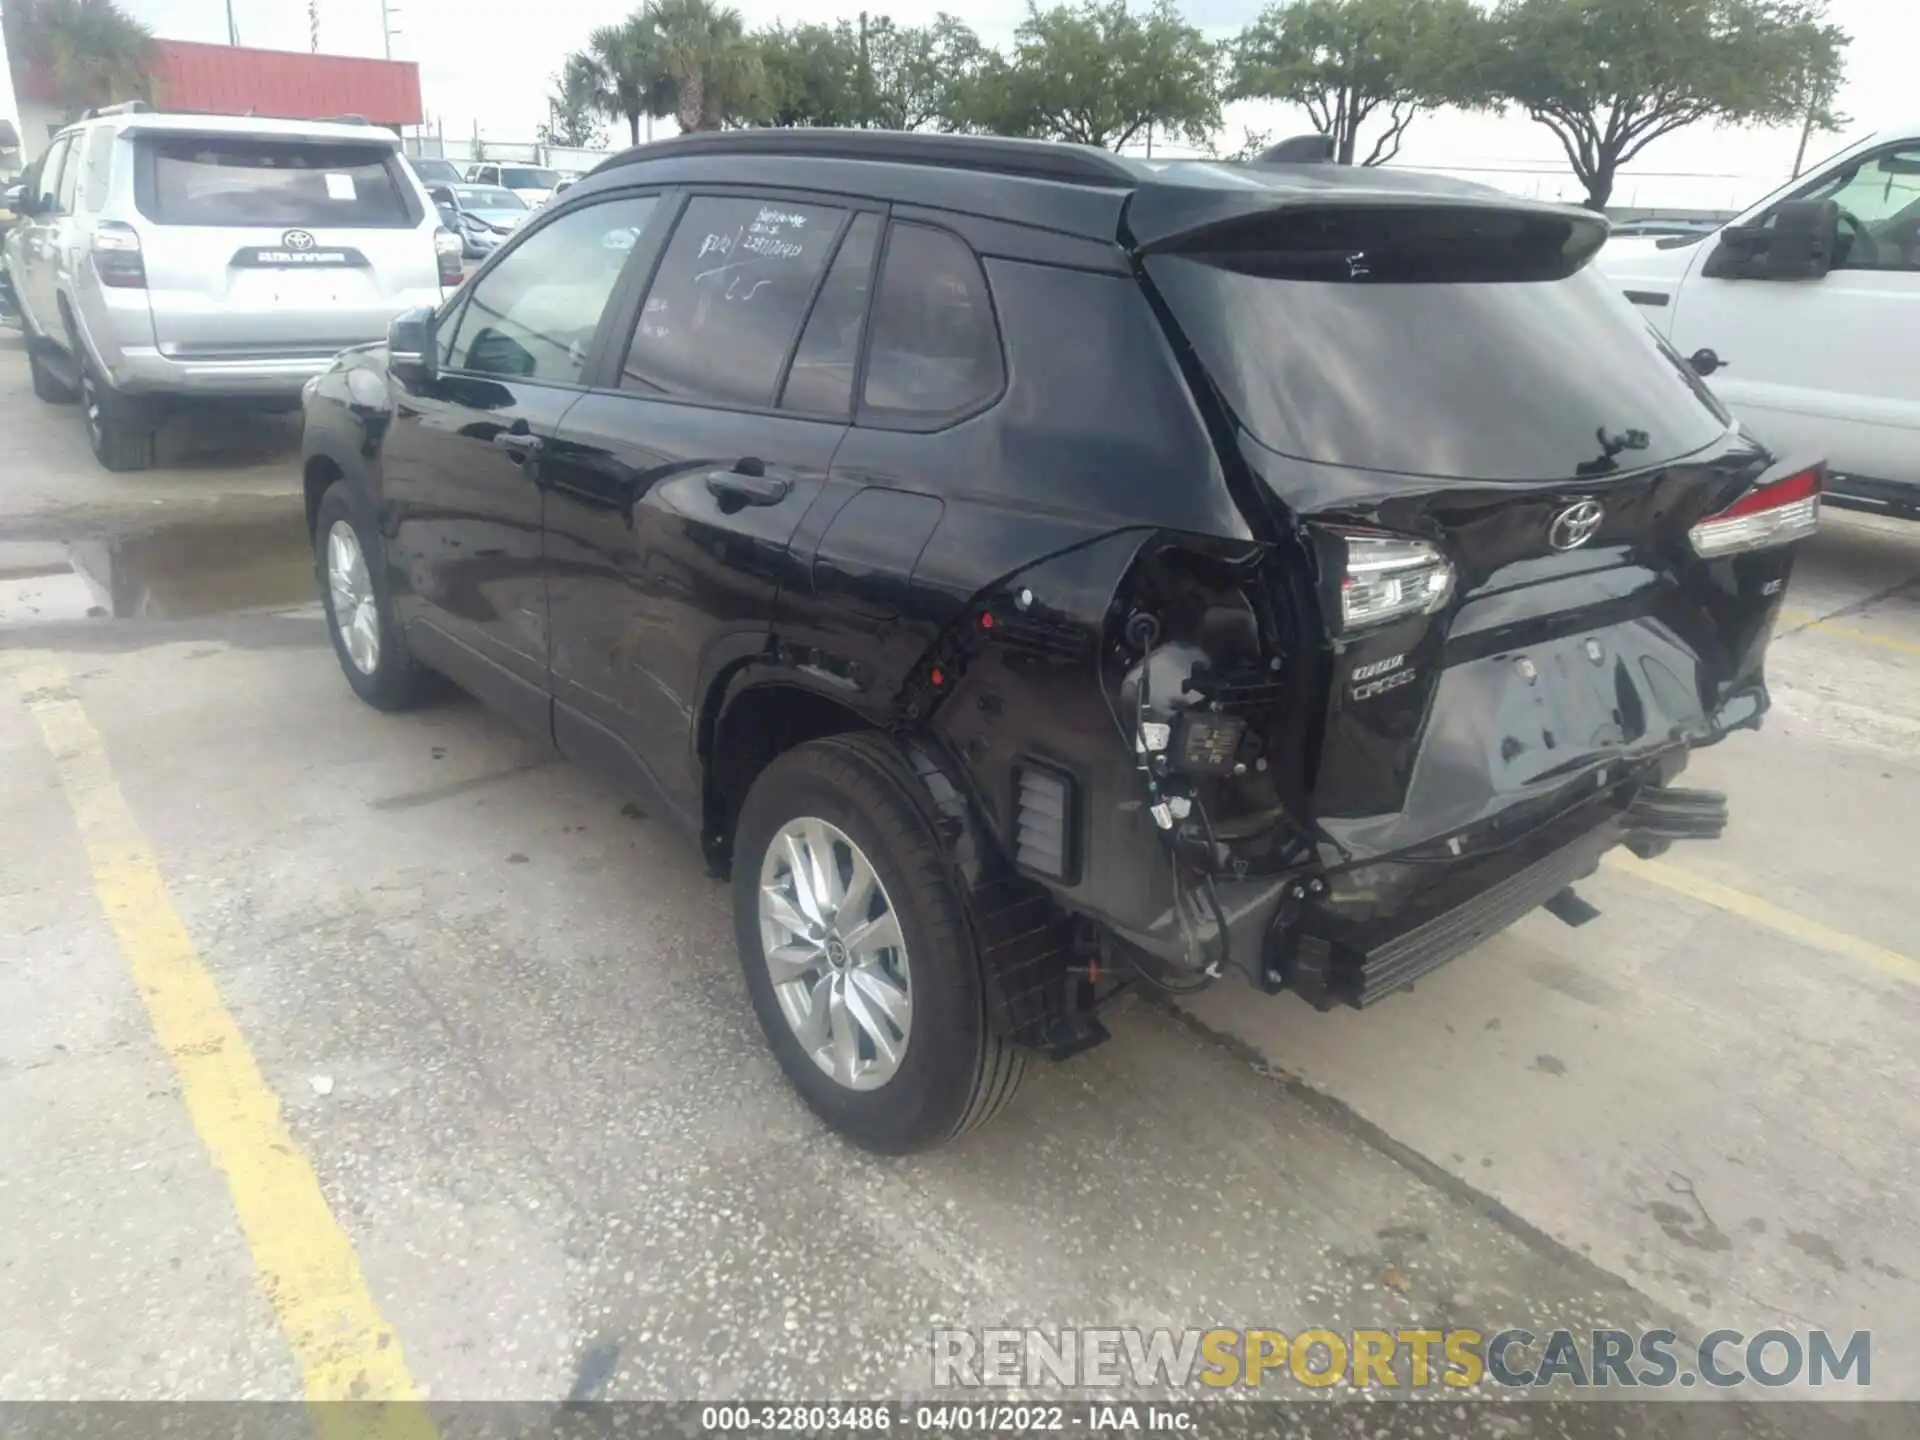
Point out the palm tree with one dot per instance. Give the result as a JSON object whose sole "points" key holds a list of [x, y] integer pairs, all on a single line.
{"points": [[628, 72], [716, 69], [79, 52]]}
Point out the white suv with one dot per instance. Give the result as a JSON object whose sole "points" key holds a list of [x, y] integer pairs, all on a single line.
{"points": [[159, 256]]}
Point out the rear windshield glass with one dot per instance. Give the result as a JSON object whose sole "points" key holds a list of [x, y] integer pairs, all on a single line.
{"points": [[198, 180], [1376, 356], [518, 179], [489, 197]]}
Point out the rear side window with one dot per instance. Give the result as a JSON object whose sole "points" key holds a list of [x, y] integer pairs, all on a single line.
{"points": [[533, 316], [935, 349], [49, 183], [99, 171], [240, 181], [70, 176], [727, 299], [1397, 345], [821, 379]]}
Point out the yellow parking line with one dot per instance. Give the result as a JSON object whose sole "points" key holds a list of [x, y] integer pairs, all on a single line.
{"points": [[1866, 637], [1773, 917], [306, 1265], [1805, 620]]}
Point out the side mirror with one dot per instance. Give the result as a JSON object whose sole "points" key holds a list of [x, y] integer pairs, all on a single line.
{"points": [[448, 214], [440, 195], [15, 198], [1801, 243], [413, 352]]}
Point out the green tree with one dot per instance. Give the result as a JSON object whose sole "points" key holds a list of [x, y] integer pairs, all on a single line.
{"points": [[917, 74], [1099, 73], [1610, 77], [811, 74], [629, 75], [1816, 87], [717, 75], [84, 52], [1350, 62], [575, 107]]}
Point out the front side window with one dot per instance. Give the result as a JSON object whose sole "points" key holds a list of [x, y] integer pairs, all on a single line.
{"points": [[935, 349], [533, 316], [727, 299], [241, 181]]}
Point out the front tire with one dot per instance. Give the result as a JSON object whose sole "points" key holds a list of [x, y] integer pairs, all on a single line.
{"points": [[858, 957], [351, 568]]}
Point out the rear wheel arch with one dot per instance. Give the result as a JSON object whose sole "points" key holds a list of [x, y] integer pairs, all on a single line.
{"points": [[749, 721]]}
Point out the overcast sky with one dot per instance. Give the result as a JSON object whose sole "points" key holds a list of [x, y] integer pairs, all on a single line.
{"points": [[478, 66]]}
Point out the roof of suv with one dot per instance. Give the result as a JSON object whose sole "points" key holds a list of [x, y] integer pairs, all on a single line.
{"points": [[1075, 188], [151, 122]]}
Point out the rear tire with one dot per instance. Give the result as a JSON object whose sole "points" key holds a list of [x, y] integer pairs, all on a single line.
{"points": [[48, 384], [120, 428], [955, 1070], [370, 645]]}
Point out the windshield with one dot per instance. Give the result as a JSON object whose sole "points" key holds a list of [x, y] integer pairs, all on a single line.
{"points": [[489, 197], [1381, 360], [521, 178], [437, 172]]}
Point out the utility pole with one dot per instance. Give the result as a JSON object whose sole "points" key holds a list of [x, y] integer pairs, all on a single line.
{"points": [[313, 25], [865, 75], [233, 30], [387, 16]]}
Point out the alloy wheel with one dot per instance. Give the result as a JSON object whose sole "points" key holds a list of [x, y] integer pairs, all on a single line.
{"points": [[836, 954], [350, 586]]}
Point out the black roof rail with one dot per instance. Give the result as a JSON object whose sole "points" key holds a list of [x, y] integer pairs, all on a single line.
{"points": [[125, 107], [994, 154], [1314, 149]]}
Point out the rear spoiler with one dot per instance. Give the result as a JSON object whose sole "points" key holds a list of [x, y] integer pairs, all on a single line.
{"points": [[1172, 216]]}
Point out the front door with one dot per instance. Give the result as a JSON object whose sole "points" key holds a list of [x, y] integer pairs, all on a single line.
{"points": [[1828, 367], [680, 483], [464, 461]]}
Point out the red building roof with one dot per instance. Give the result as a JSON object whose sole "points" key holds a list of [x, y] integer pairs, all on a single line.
{"points": [[283, 84]]}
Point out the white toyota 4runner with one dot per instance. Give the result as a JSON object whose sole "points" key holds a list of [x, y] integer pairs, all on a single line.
{"points": [[1805, 313]]}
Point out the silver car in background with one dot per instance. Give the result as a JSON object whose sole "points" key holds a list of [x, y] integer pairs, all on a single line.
{"points": [[481, 215], [162, 256]]}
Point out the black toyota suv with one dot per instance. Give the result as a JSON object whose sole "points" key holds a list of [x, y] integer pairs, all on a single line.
{"points": [[1031, 572]]}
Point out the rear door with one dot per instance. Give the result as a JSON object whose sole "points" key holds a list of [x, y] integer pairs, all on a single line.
{"points": [[274, 246], [39, 245], [682, 481], [1493, 465]]}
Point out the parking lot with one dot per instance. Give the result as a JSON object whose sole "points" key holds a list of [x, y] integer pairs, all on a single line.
{"points": [[306, 1009]]}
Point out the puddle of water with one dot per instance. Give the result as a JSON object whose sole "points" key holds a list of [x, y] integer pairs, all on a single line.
{"points": [[182, 571]]}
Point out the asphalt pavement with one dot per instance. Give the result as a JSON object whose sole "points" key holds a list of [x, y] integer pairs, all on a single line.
{"points": [[353, 1054]]}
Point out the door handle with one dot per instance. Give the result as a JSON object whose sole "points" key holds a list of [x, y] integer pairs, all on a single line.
{"points": [[518, 442], [748, 484]]}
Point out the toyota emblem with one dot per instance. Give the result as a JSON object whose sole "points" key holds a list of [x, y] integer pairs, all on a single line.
{"points": [[297, 239], [1575, 525]]}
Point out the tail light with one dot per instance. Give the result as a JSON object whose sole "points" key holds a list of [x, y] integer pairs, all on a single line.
{"points": [[1388, 577], [1771, 514], [116, 256], [447, 246]]}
